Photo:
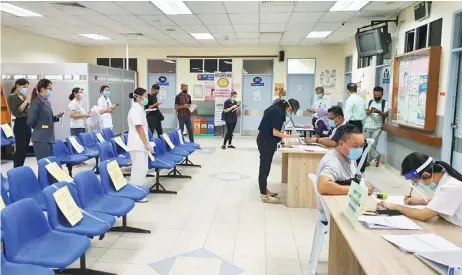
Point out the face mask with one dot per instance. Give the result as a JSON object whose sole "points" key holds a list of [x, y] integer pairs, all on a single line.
{"points": [[288, 115], [233, 99], [283, 97], [377, 98], [319, 96], [355, 153], [332, 123], [145, 102], [78, 96], [107, 93], [23, 91], [185, 91], [48, 94]]}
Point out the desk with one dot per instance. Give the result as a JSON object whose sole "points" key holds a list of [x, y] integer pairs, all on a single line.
{"points": [[296, 165], [354, 249]]}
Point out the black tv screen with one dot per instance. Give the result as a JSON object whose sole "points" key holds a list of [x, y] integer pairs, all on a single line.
{"points": [[371, 43]]}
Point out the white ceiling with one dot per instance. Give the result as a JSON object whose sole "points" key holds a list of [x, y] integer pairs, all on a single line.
{"points": [[232, 23]]}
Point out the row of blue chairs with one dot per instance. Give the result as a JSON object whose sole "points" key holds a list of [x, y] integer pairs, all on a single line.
{"points": [[5, 142]]}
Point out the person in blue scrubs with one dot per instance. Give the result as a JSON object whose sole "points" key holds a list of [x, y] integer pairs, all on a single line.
{"points": [[230, 108], [268, 137]]}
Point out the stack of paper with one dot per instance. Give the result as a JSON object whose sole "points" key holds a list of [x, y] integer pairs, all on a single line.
{"points": [[400, 201], [389, 222], [444, 262], [417, 243]]}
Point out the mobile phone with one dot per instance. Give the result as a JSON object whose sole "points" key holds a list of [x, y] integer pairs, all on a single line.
{"points": [[389, 212]]}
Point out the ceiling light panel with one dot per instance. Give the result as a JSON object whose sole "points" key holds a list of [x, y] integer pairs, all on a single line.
{"points": [[172, 7], [202, 36], [12, 9], [343, 5], [318, 34], [94, 36]]}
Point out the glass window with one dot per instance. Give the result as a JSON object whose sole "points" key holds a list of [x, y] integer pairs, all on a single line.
{"points": [[166, 66], [196, 65], [225, 65], [102, 61], [301, 66], [118, 63], [133, 64], [364, 62], [409, 46], [210, 65], [434, 38], [256, 66], [421, 37]]}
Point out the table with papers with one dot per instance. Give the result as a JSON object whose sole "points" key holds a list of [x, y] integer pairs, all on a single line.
{"points": [[355, 249]]}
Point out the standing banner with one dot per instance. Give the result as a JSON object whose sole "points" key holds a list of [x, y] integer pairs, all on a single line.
{"points": [[223, 87]]}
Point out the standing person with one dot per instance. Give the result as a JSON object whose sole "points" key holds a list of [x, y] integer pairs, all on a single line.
{"points": [[105, 107], [319, 102], [138, 141], [355, 107], [182, 104], [268, 137], [377, 112], [230, 111], [19, 102], [77, 112], [153, 114], [41, 119]]}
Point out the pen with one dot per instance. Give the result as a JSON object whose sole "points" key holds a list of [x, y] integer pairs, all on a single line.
{"points": [[410, 193]]}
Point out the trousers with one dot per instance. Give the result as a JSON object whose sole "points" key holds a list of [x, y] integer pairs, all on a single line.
{"points": [[186, 121], [22, 134], [230, 126], [43, 150], [77, 131], [357, 123], [266, 148], [155, 124], [139, 167], [375, 134]]}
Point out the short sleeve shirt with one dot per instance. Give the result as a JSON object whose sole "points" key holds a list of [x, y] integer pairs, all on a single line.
{"points": [[151, 100], [375, 121], [182, 99], [136, 116], [273, 118], [447, 200], [334, 131], [76, 108]]}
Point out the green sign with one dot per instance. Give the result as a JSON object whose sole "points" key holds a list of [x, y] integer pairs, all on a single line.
{"points": [[357, 196]]}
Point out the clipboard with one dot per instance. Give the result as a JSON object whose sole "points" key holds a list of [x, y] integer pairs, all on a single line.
{"points": [[120, 142]]}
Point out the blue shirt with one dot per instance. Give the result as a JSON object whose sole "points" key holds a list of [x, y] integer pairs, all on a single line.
{"points": [[273, 118], [231, 116]]}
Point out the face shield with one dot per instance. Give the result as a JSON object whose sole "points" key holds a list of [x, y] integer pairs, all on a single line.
{"points": [[414, 179]]}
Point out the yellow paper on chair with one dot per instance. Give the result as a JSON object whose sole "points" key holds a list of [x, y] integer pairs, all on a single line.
{"points": [[7, 130], [2, 203], [58, 173], [120, 142], [168, 141], [76, 145], [67, 205], [180, 136], [117, 177], [100, 137]]}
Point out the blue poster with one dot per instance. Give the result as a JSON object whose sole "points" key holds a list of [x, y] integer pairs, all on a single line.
{"points": [[205, 77], [162, 81], [386, 77], [257, 81]]}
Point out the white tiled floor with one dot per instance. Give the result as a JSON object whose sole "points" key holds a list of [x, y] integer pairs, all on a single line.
{"points": [[223, 216]]}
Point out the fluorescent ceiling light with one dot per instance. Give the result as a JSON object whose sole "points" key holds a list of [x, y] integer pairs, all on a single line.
{"points": [[14, 10], [202, 36], [94, 36], [172, 7], [344, 5], [169, 61], [318, 34]]}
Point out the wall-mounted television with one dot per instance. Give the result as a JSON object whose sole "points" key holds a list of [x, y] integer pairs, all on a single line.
{"points": [[372, 42]]}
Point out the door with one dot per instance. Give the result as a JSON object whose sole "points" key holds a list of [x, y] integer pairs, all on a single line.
{"points": [[256, 97], [167, 94], [456, 160], [301, 88], [383, 80]]}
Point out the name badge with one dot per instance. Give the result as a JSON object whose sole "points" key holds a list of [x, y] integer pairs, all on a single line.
{"points": [[44, 126]]}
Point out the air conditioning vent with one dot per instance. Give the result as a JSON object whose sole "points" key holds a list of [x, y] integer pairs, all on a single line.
{"points": [[69, 4], [271, 33]]}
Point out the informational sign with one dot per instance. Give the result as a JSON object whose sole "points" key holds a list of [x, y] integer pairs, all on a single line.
{"points": [[328, 80], [100, 137], [76, 145], [67, 205], [121, 143], [256, 94], [223, 86], [257, 81], [357, 197], [162, 94], [198, 91], [386, 77], [209, 91], [117, 177], [58, 173], [162, 81], [168, 141], [205, 77]]}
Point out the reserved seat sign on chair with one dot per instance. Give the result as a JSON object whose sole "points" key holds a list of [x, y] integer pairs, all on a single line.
{"points": [[121, 143], [58, 173], [168, 141], [77, 146], [7, 130], [2, 204], [67, 205], [180, 136], [100, 137], [117, 177]]}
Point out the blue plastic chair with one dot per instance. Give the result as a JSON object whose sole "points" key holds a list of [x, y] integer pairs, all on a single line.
{"points": [[23, 269], [29, 239], [44, 177], [92, 224], [119, 151], [4, 141], [61, 152], [175, 151], [108, 134], [129, 191], [88, 141], [24, 184], [5, 196], [11, 140], [92, 197], [5, 183], [89, 153], [176, 141], [161, 154], [106, 152], [195, 145]]}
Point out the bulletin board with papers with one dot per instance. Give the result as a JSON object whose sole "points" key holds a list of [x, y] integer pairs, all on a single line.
{"points": [[415, 88]]}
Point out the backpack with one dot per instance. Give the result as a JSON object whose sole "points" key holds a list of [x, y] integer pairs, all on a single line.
{"points": [[383, 107]]}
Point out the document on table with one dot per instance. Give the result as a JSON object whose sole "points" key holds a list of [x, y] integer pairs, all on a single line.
{"points": [[444, 262], [192, 107], [389, 222], [416, 243], [400, 201]]}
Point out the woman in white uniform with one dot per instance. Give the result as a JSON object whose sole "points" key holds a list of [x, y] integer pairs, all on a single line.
{"points": [[77, 112], [138, 141], [431, 176], [105, 107]]}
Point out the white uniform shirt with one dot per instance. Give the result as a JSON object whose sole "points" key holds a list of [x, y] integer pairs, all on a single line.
{"points": [[320, 103], [136, 116], [355, 108], [447, 200], [76, 107], [106, 118]]}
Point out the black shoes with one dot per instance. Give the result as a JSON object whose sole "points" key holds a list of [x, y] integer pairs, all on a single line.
{"points": [[231, 146], [223, 147]]}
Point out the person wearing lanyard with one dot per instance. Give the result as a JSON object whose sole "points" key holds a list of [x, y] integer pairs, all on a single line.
{"points": [[319, 102], [230, 111], [77, 112], [41, 119], [19, 102], [153, 114], [268, 137], [138, 142], [355, 107], [431, 177], [105, 107]]}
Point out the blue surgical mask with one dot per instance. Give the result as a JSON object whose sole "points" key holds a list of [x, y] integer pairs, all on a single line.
{"points": [[332, 123], [107, 93], [48, 94], [432, 187], [23, 91], [145, 102], [355, 153], [288, 115], [319, 96]]}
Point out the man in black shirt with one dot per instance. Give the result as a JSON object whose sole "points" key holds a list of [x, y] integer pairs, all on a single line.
{"points": [[153, 114]]}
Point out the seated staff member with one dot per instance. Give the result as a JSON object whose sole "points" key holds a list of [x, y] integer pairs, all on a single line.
{"points": [[434, 176], [77, 112], [335, 121], [355, 107], [268, 137], [230, 113]]}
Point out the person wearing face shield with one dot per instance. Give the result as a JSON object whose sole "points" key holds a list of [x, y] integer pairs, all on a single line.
{"points": [[268, 137], [427, 175], [230, 108]]}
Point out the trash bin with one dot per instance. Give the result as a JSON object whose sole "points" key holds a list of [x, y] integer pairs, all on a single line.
{"points": [[197, 126], [203, 126], [210, 127]]}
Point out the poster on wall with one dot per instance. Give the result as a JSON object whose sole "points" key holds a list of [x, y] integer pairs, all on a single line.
{"points": [[209, 91], [256, 94], [223, 87], [277, 88], [162, 94], [205, 77], [328, 80], [198, 91]]}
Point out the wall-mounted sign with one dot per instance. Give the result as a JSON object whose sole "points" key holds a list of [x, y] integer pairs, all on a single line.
{"points": [[257, 81], [162, 81], [205, 77], [386, 77]]}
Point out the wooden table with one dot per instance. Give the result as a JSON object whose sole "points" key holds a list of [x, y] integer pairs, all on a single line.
{"points": [[296, 165], [354, 249]]}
